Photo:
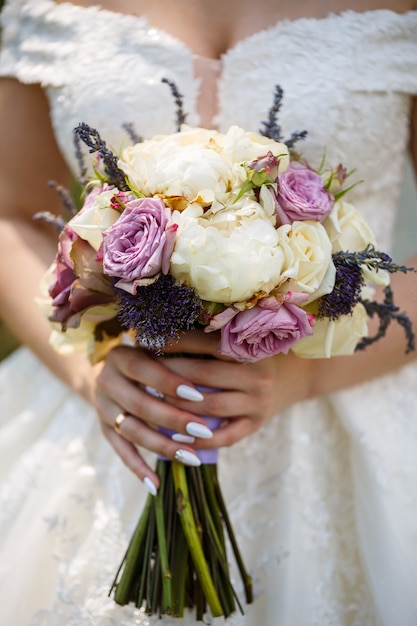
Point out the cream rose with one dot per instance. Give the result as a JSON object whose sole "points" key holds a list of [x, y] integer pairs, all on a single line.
{"points": [[334, 337], [228, 257], [308, 258], [348, 231], [95, 217]]}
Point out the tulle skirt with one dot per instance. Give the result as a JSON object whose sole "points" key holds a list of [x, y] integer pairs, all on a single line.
{"points": [[323, 500]]}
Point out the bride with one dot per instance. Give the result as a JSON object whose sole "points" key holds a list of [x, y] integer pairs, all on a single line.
{"points": [[318, 458]]}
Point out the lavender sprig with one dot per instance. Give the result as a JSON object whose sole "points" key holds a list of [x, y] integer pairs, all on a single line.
{"points": [[130, 129], [181, 116], [80, 159], [174, 308], [295, 136], [66, 198], [91, 138], [57, 221], [272, 129], [387, 311], [346, 293], [373, 259]]}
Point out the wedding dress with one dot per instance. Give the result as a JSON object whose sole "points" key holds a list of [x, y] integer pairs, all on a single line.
{"points": [[324, 497]]}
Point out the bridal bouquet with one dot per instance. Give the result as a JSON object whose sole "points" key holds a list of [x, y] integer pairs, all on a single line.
{"points": [[235, 233]]}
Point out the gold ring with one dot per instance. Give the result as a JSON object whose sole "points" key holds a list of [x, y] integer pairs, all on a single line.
{"points": [[118, 422]]}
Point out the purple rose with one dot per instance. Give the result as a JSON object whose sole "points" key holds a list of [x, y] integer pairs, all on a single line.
{"points": [[139, 244], [272, 326], [301, 195]]}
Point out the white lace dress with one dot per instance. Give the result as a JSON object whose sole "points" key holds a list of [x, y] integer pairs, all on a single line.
{"points": [[324, 497]]}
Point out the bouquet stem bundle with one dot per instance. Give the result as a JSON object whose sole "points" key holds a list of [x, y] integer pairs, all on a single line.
{"points": [[177, 556]]}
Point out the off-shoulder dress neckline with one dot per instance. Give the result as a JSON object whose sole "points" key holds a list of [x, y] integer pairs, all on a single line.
{"points": [[214, 63]]}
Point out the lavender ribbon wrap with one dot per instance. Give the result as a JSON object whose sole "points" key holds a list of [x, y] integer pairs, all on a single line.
{"points": [[207, 457]]}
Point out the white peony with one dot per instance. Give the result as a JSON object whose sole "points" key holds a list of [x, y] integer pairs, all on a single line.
{"points": [[189, 164], [227, 256], [196, 163]]}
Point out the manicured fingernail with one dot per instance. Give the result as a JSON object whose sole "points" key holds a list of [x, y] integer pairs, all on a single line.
{"points": [[198, 430], [150, 486], [154, 392], [182, 438], [189, 393], [185, 457]]}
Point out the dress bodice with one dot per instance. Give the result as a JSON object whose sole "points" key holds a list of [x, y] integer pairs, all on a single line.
{"points": [[345, 77]]}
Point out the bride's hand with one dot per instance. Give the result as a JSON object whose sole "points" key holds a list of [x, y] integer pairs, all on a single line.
{"points": [[139, 391], [150, 392], [251, 393]]}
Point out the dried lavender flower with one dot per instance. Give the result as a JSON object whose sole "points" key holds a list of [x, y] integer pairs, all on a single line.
{"points": [[130, 130], [57, 221], [174, 307], [80, 159], [91, 138], [346, 291], [272, 129], [387, 311], [181, 116]]}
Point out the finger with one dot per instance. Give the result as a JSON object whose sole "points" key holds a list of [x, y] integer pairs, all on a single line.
{"points": [[229, 433], [233, 431], [141, 367], [223, 404], [151, 410], [132, 458], [138, 433], [122, 391], [195, 342], [212, 373]]}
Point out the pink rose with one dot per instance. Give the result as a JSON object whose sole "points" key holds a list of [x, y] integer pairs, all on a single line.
{"points": [[267, 163], [64, 276], [270, 327], [301, 195], [79, 282], [139, 244]]}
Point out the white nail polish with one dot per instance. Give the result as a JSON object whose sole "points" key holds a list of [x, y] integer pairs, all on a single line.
{"points": [[189, 393], [180, 438], [154, 392], [198, 430], [150, 486], [185, 457]]}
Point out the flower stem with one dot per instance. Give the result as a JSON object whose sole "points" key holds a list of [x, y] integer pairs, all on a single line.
{"points": [[191, 534], [162, 542], [247, 580], [124, 585]]}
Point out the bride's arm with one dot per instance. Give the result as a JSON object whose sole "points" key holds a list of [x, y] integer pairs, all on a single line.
{"points": [[29, 159]]}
